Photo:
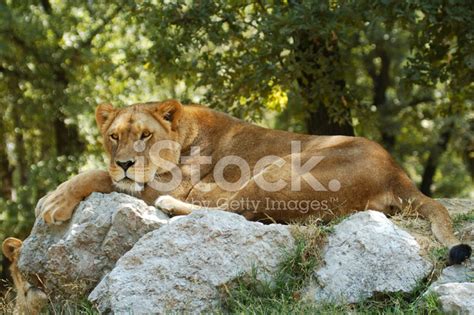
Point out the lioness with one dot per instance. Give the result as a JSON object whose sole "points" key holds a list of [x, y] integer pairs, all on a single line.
{"points": [[29, 299], [215, 160]]}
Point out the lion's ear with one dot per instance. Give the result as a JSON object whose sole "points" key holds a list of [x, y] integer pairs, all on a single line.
{"points": [[171, 111], [102, 113], [9, 246]]}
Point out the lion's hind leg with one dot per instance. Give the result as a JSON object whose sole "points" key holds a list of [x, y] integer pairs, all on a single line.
{"points": [[437, 214], [442, 228]]}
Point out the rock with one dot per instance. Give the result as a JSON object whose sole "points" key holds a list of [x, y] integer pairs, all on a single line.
{"points": [[456, 273], [456, 298], [455, 289], [182, 266], [367, 254], [466, 233], [457, 206], [71, 258], [462, 208]]}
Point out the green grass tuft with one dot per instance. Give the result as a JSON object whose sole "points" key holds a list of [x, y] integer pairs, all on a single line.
{"points": [[460, 219], [82, 307], [282, 295]]}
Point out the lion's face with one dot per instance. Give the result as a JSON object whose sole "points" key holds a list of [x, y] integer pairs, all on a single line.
{"points": [[29, 299], [132, 138]]}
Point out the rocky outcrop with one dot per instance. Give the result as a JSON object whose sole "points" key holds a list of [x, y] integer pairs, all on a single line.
{"points": [[456, 273], [456, 298], [71, 258], [367, 254], [128, 256], [457, 206], [181, 266], [455, 289]]}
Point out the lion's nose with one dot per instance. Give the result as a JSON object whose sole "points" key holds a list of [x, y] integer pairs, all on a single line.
{"points": [[125, 165]]}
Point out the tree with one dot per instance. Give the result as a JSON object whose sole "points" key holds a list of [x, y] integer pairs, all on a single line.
{"points": [[50, 54], [398, 72], [311, 59]]}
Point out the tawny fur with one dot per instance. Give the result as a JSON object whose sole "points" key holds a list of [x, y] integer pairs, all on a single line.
{"points": [[369, 177], [29, 300]]}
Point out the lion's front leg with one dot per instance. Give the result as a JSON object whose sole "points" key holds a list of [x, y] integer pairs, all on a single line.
{"points": [[173, 206], [58, 205]]}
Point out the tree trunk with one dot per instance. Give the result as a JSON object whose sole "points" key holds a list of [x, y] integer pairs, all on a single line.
{"points": [[6, 173], [308, 49], [68, 141], [20, 154], [5, 278], [319, 123], [381, 82], [468, 143], [433, 160]]}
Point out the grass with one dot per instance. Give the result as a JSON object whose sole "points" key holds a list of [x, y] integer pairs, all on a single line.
{"points": [[68, 307], [7, 304], [82, 307], [460, 219], [282, 295]]}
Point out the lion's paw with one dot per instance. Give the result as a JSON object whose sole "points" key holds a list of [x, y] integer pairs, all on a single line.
{"points": [[167, 204], [57, 206]]}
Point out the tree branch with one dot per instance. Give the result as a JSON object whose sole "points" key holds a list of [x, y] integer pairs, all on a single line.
{"points": [[87, 42], [46, 6], [13, 73], [414, 102], [433, 159]]}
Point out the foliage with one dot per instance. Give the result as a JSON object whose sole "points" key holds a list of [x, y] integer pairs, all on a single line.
{"points": [[250, 295], [282, 295], [64, 307], [398, 72], [460, 219]]}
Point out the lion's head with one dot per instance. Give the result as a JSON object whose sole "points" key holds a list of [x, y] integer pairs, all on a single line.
{"points": [[134, 138], [29, 299]]}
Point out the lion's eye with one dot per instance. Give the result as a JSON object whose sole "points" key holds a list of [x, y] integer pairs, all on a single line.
{"points": [[114, 136], [168, 117], [145, 135]]}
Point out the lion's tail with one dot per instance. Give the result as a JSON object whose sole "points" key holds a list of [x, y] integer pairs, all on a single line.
{"points": [[437, 214]]}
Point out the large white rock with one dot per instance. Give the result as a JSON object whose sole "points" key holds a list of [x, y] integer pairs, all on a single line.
{"points": [[181, 266], [456, 298], [457, 206], [455, 289], [457, 273], [365, 255], [71, 258]]}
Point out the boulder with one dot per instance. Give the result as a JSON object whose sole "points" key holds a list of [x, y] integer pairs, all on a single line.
{"points": [[456, 273], [365, 255], [455, 289], [133, 257], [183, 266], [71, 258], [457, 206], [456, 298]]}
